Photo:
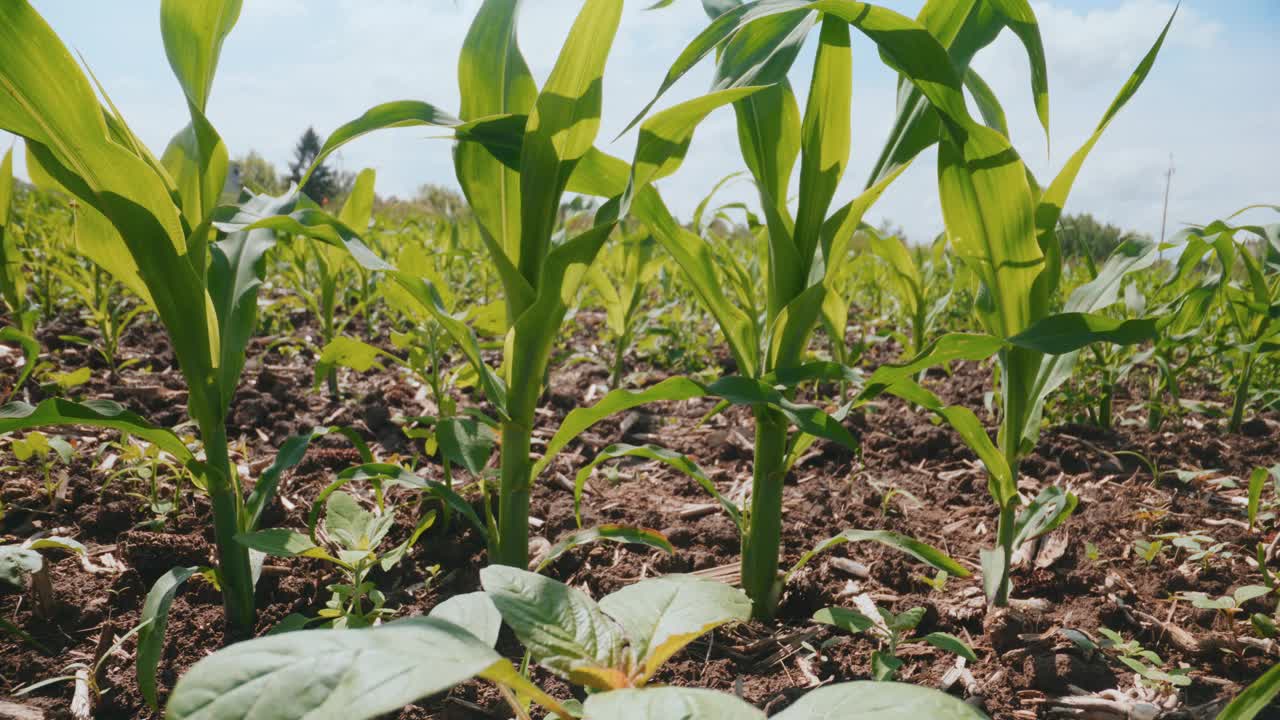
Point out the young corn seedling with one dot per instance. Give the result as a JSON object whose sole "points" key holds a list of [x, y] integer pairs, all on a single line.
{"points": [[1001, 225], [890, 630], [611, 648], [324, 290], [632, 262]]}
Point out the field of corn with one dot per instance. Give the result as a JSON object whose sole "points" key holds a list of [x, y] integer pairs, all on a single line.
{"points": [[542, 449]]}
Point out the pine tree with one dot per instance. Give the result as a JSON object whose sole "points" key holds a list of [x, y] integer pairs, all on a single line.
{"points": [[324, 184]]}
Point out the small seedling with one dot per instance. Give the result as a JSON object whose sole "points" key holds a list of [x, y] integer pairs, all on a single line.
{"points": [[351, 540], [22, 564], [1148, 550], [890, 630], [1143, 662], [45, 451], [1200, 547], [1226, 605]]}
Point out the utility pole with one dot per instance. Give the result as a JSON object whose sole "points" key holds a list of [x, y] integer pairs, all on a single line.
{"points": [[1164, 215]]}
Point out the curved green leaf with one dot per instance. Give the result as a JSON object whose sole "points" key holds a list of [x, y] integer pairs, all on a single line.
{"points": [[1248, 704], [865, 700], [473, 612], [668, 703], [671, 459], [93, 413], [611, 533], [154, 619], [921, 551]]}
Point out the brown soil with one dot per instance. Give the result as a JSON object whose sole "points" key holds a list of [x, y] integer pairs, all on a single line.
{"points": [[913, 476]]}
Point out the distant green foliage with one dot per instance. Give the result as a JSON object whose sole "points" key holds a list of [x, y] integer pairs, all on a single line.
{"points": [[1084, 235]]}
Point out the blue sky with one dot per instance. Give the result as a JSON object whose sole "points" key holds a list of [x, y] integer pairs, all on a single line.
{"points": [[1210, 102]]}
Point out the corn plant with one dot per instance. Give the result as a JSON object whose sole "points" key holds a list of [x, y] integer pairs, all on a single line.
{"points": [[757, 43], [519, 150], [1001, 224], [147, 222], [323, 290], [13, 289], [612, 647], [634, 267], [915, 278], [1252, 305]]}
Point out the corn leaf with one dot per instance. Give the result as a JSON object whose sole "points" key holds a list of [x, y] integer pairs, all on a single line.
{"points": [[921, 551], [154, 619]]}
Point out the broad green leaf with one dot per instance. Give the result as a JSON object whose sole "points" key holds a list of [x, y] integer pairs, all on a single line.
{"points": [[665, 137], [609, 533], [12, 281], [473, 612], [668, 703], [351, 353], [357, 211], [662, 615], [193, 33], [988, 104], [154, 619], [879, 701], [947, 348], [1070, 331], [349, 674], [465, 441], [282, 542], [825, 136], [921, 551], [1255, 698], [562, 628], [1048, 511], [395, 114], [93, 413], [16, 563], [851, 621], [671, 459], [236, 269], [952, 644]]}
